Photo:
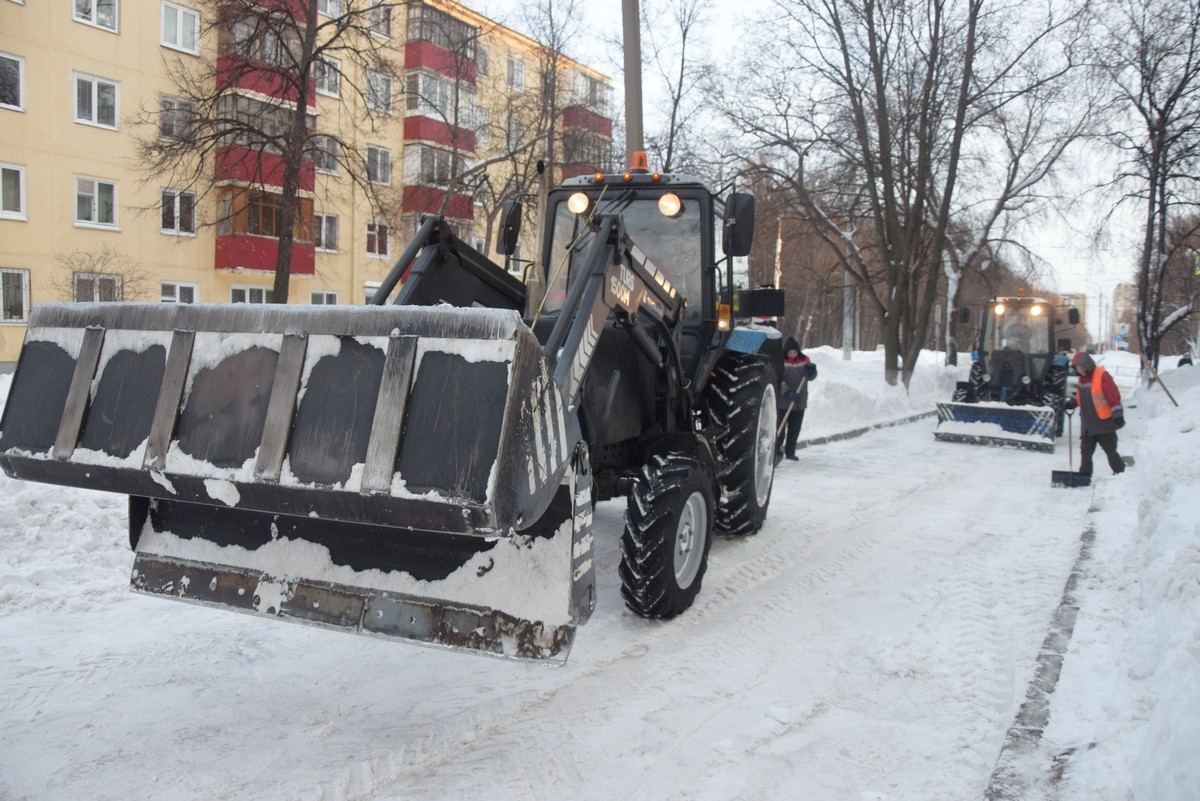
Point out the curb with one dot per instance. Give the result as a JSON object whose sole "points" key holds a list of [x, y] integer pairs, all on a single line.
{"points": [[858, 432]]}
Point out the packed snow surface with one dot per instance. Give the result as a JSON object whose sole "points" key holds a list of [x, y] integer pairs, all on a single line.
{"points": [[876, 641]]}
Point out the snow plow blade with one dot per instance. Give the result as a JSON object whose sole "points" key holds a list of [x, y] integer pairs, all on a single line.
{"points": [[997, 424], [397, 471]]}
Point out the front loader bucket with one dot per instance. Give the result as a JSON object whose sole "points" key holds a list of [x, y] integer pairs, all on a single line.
{"points": [[401, 471], [997, 424]]}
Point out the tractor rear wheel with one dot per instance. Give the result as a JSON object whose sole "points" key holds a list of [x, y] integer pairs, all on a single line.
{"points": [[668, 531], [742, 401]]}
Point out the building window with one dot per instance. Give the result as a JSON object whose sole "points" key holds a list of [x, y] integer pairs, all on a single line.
{"points": [[325, 232], [251, 294], [431, 166], [175, 292], [377, 239], [12, 82], [329, 76], [264, 212], [330, 8], [318, 298], [178, 212], [175, 118], [381, 20], [324, 152], [436, 95], [95, 101], [481, 60], [12, 192], [379, 165], [369, 290], [180, 28], [379, 92], [429, 24], [95, 202], [101, 13], [256, 37], [14, 291], [96, 288], [516, 75], [243, 212]]}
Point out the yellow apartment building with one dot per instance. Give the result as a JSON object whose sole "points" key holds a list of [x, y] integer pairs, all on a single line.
{"points": [[81, 220]]}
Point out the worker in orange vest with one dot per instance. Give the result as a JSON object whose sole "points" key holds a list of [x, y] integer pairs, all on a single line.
{"points": [[1100, 413]]}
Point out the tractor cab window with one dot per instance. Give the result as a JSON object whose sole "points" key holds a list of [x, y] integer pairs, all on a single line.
{"points": [[1020, 326], [672, 244]]}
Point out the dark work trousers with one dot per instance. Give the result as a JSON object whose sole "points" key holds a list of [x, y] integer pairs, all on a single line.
{"points": [[1087, 447], [786, 442]]}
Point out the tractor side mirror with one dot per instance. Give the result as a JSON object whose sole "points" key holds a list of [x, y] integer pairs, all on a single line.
{"points": [[964, 316], [738, 232], [510, 228], [1073, 316]]}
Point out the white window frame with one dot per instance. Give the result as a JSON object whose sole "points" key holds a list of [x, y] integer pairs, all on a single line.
{"points": [[383, 161], [369, 290], [515, 77], [169, 291], [95, 223], [95, 81], [387, 229], [320, 240], [481, 59], [23, 277], [380, 17], [250, 293], [20, 213], [327, 146], [182, 13], [178, 114], [86, 12], [327, 297], [379, 92], [175, 195], [325, 67], [330, 8], [20, 62], [97, 279]]}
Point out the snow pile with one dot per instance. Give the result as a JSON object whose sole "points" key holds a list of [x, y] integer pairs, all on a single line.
{"points": [[1128, 703], [852, 394]]}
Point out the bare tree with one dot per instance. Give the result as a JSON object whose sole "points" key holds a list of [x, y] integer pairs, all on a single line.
{"points": [[673, 32], [248, 114], [878, 117], [102, 274], [1149, 52]]}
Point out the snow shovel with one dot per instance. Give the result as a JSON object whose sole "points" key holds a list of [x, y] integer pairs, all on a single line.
{"points": [[783, 421], [1068, 477]]}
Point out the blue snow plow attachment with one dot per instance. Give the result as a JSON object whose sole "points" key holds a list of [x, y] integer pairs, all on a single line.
{"points": [[998, 424]]}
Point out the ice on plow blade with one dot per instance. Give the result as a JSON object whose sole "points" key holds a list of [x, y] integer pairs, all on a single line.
{"points": [[399, 471], [997, 424]]}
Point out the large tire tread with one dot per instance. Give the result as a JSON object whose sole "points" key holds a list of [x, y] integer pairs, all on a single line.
{"points": [[735, 394], [648, 582]]}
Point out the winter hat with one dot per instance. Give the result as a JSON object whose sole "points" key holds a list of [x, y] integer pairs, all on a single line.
{"points": [[1083, 363], [792, 344]]}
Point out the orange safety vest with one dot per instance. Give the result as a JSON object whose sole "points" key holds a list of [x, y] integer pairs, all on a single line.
{"points": [[1099, 402]]}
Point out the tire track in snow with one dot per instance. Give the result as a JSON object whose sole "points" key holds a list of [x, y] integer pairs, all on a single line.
{"points": [[765, 583]]}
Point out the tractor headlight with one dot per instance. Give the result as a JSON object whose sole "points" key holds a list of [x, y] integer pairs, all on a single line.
{"points": [[670, 204], [1036, 311], [1026, 380], [1000, 308], [579, 203]]}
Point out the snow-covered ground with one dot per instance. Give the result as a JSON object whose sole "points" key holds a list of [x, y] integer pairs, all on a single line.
{"points": [[883, 638]]}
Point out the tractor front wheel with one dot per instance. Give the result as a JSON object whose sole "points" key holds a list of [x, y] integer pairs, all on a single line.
{"points": [[668, 531]]}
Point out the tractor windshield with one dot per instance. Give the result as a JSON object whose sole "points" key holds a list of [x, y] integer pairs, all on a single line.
{"points": [[672, 244], [1019, 326]]}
